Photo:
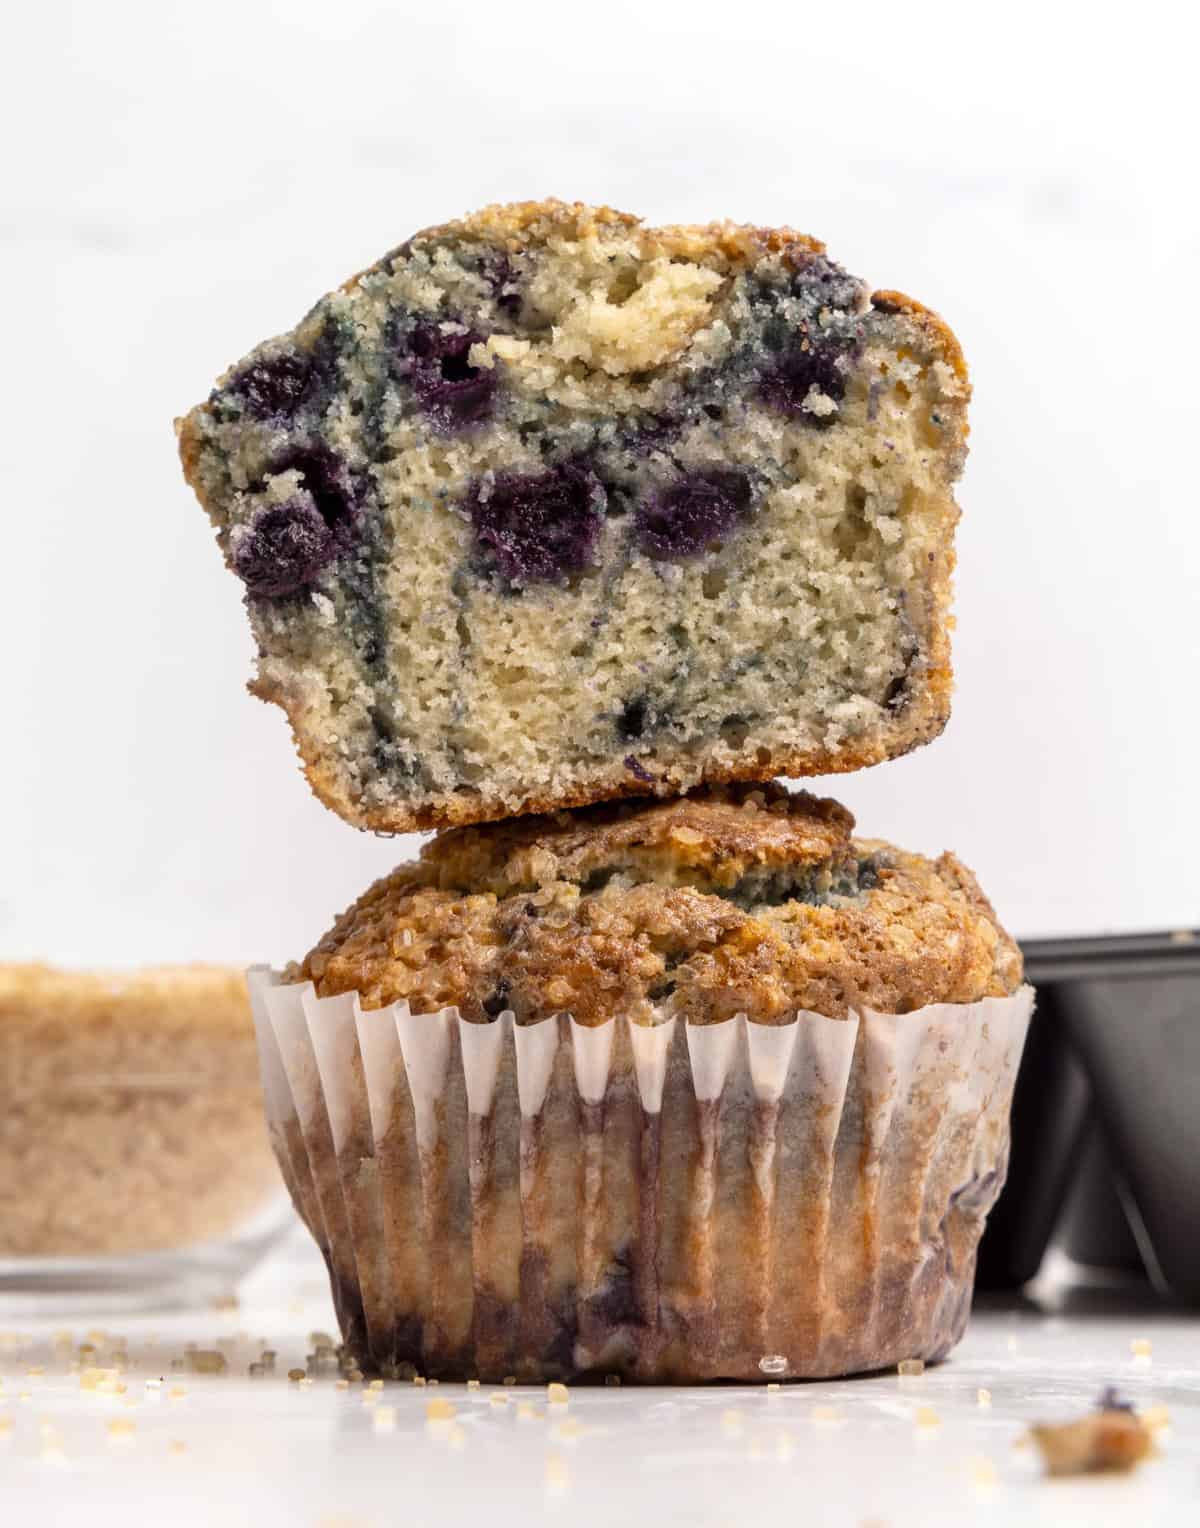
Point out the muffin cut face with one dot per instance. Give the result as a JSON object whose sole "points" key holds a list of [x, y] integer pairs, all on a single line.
{"points": [[548, 507], [741, 899]]}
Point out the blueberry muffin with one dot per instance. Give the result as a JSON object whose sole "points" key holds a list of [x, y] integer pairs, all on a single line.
{"points": [[548, 507], [674, 1091]]}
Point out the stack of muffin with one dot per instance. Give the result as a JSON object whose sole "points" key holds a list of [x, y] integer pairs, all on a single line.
{"points": [[564, 537]]}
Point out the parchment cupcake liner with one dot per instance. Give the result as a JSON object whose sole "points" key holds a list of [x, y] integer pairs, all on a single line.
{"points": [[670, 1203]]}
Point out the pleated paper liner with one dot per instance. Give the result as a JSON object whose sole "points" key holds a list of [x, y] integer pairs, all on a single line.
{"points": [[670, 1203]]}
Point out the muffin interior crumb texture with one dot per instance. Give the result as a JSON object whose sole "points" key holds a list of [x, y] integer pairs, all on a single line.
{"points": [[739, 899], [548, 507], [132, 1116]]}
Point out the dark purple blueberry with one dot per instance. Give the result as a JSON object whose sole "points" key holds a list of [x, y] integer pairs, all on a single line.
{"points": [[452, 393], [537, 528], [638, 771], [692, 514], [633, 718], [284, 547], [334, 489], [1110, 1399], [810, 360], [275, 388], [498, 272], [650, 433]]}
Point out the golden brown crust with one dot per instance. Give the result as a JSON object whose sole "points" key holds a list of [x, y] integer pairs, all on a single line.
{"points": [[743, 900], [929, 716]]}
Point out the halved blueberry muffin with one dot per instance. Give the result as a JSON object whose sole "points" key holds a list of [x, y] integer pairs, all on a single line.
{"points": [[548, 507]]}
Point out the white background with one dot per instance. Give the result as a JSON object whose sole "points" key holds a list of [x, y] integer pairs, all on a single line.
{"points": [[180, 181]]}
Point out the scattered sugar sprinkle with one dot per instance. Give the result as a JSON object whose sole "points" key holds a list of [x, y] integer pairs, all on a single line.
{"points": [[557, 1395], [910, 1368], [824, 1416], [176, 1393], [1141, 1348], [5, 1425], [527, 1411], [206, 1361], [418, 1379], [177, 1446], [926, 1418], [983, 1398], [498, 1398], [774, 1385], [1156, 1418], [731, 1420], [96, 1379], [439, 1410], [121, 1428], [567, 1430], [983, 1474], [375, 1384], [384, 1419], [558, 1476], [472, 1384]]}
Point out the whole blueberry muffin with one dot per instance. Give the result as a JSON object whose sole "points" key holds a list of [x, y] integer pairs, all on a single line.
{"points": [[547, 507], [673, 1091]]}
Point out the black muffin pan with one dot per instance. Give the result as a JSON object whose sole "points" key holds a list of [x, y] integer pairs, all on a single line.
{"points": [[1106, 1115]]}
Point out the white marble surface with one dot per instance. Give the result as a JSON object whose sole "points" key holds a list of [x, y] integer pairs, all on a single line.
{"points": [[263, 1451], [181, 181]]}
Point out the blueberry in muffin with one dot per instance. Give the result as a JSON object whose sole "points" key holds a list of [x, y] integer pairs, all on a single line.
{"points": [[548, 507]]}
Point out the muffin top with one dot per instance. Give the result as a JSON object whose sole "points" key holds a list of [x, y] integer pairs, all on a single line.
{"points": [[746, 899]]}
